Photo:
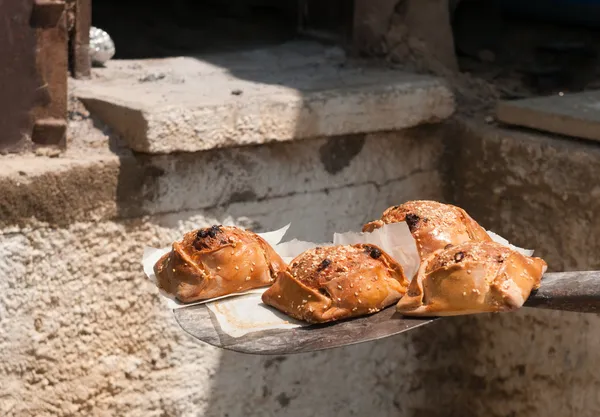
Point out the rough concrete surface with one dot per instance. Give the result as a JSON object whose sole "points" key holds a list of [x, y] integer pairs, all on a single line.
{"points": [[194, 104], [82, 332], [539, 192], [128, 185], [576, 115]]}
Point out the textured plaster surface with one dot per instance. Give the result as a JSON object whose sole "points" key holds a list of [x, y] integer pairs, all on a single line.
{"points": [[82, 332]]}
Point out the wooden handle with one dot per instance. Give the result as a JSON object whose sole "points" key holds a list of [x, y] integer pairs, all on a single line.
{"points": [[568, 291]]}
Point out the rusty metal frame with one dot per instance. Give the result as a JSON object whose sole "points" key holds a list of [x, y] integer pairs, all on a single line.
{"points": [[38, 38], [49, 114], [80, 14]]}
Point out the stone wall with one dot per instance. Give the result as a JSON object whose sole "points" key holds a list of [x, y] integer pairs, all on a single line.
{"points": [[82, 332], [540, 192]]}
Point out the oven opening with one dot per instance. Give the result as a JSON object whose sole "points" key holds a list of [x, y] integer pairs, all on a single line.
{"points": [[157, 29]]}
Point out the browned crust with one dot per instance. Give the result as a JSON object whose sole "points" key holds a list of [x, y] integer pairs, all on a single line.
{"points": [[337, 282], [474, 277], [217, 261], [433, 225]]}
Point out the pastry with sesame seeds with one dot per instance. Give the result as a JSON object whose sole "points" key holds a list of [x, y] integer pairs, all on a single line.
{"points": [[217, 261], [337, 282], [473, 277], [433, 225]]}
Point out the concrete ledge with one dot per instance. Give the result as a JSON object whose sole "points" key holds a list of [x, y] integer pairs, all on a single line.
{"points": [[62, 190], [105, 186], [189, 105], [575, 115]]}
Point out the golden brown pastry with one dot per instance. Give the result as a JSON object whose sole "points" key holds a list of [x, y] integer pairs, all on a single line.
{"points": [[337, 282], [217, 261], [433, 225], [473, 277]]}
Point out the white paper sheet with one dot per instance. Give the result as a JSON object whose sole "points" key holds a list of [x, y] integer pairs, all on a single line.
{"points": [[499, 239], [395, 239], [289, 250], [247, 314]]}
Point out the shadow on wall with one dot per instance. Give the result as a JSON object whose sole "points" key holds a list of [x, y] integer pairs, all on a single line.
{"points": [[395, 376]]}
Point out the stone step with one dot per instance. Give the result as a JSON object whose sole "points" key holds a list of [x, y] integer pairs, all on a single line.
{"points": [[576, 115], [293, 91]]}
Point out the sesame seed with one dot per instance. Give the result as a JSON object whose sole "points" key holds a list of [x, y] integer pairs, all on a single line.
{"points": [[359, 302], [355, 308], [253, 263], [468, 271], [304, 301], [279, 296], [218, 268], [247, 278], [173, 269], [464, 293], [368, 287], [339, 299], [237, 268], [351, 285], [339, 287], [356, 294], [309, 296]]}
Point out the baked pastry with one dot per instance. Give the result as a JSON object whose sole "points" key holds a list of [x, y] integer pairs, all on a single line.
{"points": [[337, 282], [433, 225], [473, 277], [217, 261]]}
